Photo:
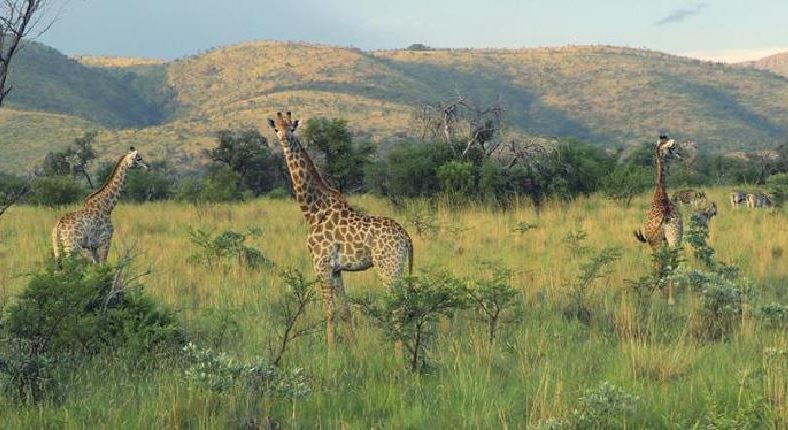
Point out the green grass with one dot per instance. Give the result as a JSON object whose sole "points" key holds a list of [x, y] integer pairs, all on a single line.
{"points": [[537, 369]]}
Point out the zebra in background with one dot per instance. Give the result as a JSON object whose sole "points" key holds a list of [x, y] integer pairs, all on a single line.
{"points": [[738, 198], [758, 200]]}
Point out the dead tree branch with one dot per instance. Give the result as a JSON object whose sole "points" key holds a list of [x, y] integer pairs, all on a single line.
{"points": [[18, 18]]}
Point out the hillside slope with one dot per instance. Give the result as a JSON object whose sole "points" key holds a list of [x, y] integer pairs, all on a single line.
{"points": [[777, 63], [606, 95]]}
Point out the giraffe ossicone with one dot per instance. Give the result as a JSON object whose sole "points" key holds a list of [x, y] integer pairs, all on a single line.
{"points": [[88, 230], [340, 238]]}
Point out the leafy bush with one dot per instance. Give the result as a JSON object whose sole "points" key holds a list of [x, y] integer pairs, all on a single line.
{"points": [[778, 188], [626, 181], [56, 191], [774, 314], [142, 185], [289, 311], [408, 311], [89, 309], [597, 267], [343, 160], [220, 372], [228, 245], [26, 376], [604, 407], [494, 299], [247, 154], [457, 179]]}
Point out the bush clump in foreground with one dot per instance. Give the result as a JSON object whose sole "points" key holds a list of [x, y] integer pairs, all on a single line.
{"points": [[79, 310], [407, 313]]}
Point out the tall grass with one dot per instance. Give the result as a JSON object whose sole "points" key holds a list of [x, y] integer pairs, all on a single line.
{"points": [[537, 370]]}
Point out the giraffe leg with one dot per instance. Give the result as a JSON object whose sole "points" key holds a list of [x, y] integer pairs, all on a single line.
{"points": [[328, 312], [103, 249], [344, 306], [94, 254]]}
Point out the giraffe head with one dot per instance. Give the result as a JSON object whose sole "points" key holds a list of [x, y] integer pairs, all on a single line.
{"points": [[285, 128], [667, 148], [134, 159]]}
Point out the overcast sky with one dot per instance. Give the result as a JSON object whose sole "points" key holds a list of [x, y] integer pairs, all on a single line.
{"points": [[727, 30]]}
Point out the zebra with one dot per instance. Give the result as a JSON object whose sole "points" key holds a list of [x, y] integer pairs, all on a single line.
{"points": [[704, 216], [758, 200], [737, 198]]}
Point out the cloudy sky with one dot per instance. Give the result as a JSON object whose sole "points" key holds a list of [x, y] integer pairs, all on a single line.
{"points": [[725, 30]]}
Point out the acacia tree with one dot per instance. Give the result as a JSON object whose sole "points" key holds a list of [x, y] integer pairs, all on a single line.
{"points": [[17, 19]]}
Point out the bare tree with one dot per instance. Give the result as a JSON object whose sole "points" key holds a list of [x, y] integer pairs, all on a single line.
{"points": [[18, 18], [460, 120]]}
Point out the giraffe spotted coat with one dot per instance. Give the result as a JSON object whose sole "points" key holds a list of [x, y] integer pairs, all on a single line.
{"points": [[340, 238], [88, 230]]}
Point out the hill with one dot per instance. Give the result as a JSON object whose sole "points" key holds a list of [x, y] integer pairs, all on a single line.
{"points": [[606, 95], [777, 63]]}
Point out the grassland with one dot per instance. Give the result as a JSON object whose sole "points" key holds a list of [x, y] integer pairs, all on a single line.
{"points": [[537, 369], [610, 96]]}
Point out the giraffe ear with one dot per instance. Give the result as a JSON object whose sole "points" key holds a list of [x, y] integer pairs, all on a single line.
{"points": [[271, 123], [295, 125]]}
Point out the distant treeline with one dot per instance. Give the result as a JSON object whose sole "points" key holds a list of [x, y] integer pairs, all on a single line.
{"points": [[242, 165]]}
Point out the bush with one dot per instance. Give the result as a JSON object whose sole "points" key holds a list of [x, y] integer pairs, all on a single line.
{"points": [[228, 245], [89, 309], [494, 299], [247, 154], [778, 188], [774, 315], [409, 170], [408, 311], [604, 407], [56, 191], [457, 179], [142, 185], [625, 182], [26, 376], [221, 372], [343, 160]]}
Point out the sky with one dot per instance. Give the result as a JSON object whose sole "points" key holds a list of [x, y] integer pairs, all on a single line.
{"points": [[720, 30]]}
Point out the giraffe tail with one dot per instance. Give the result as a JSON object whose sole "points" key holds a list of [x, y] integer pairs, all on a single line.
{"points": [[639, 236], [410, 257]]}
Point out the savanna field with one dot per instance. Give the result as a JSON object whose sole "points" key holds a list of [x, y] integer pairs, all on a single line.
{"points": [[543, 370]]}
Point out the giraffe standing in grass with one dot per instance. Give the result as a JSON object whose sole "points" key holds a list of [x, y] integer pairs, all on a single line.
{"points": [[664, 223], [340, 239], [89, 228]]}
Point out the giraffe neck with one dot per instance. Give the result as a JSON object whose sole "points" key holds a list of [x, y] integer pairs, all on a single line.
{"points": [[660, 195], [105, 198], [312, 193]]}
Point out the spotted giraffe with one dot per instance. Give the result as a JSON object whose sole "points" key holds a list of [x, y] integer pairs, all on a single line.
{"points": [[89, 228], [340, 238], [664, 222]]}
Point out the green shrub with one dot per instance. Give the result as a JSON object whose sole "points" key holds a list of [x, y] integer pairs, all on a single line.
{"points": [[220, 372], [626, 181], [89, 309], [605, 407], [226, 246], [56, 191], [457, 179], [26, 375], [494, 299], [774, 315], [407, 313], [778, 188]]}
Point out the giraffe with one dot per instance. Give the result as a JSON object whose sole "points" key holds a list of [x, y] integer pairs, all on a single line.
{"points": [[340, 239], [664, 222], [89, 228]]}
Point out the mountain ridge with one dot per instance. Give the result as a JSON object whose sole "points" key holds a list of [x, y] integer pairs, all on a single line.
{"points": [[612, 96]]}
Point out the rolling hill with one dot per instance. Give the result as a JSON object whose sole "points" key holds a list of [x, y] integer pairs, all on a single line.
{"points": [[777, 63], [606, 95]]}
